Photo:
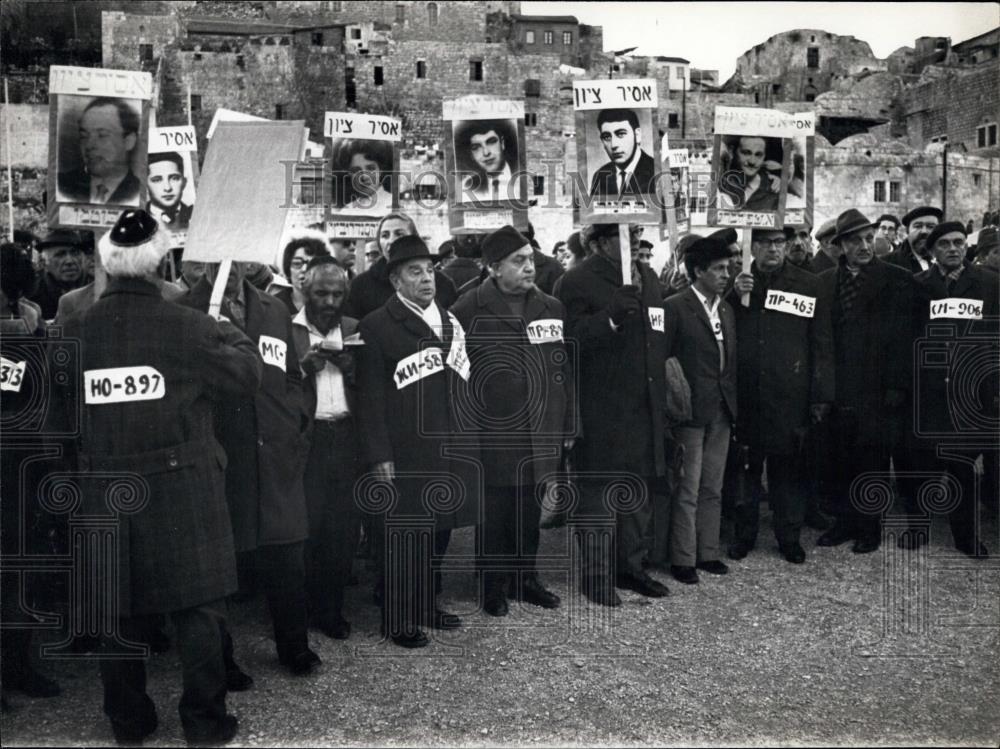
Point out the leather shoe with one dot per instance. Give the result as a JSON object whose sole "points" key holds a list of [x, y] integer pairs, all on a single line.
{"points": [[739, 549], [793, 553], [302, 663], [415, 638], [911, 540], [836, 536], [714, 567], [443, 620], [496, 604], [237, 680], [533, 592], [975, 549], [34, 684], [643, 585], [225, 733], [601, 593], [336, 628], [866, 545], [684, 574]]}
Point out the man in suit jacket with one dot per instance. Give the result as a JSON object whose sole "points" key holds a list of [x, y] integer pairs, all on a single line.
{"points": [[871, 309], [333, 465], [621, 410], [631, 170], [409, 370], [701, 332], [109, 134], [524, 411], [265, 443], [954, 294], [149, 372]]}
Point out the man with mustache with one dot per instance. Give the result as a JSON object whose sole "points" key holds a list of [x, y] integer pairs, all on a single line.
{"points": [[914, 254]]}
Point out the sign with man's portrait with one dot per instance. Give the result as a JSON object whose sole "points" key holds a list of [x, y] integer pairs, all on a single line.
{"points": [[677, 162], [752, 164], [363, 156], [618, 152], [799, 204], [172, 167], [485, 161], [98, 124]]}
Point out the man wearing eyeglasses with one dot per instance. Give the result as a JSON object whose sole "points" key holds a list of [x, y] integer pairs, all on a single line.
{"points": [[784, 382], [914, 254], [871, 306]]}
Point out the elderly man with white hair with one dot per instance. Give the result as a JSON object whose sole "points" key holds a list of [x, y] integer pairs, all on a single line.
{"points": [[148, 372]]}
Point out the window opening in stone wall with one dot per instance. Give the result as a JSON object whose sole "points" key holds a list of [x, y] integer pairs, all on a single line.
{"points": [[475, 70], [529, 37], [567, 38], [355, 33], [421, 69], [279, 111], [241, 62], [673, 121], [400, 13], [547, 37], [432, 14], [894, 191], [986, 135], [336, 6], [350, 89], [538, 184], [317, 38], [378, 75], [531, 119], [977, 180], [145, 53], [533, 88], [879, 191], [195, 102], [812, 57], [680, 72]]}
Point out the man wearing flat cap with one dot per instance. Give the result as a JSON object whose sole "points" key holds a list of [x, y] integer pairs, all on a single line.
{"points": [[827, 253], [410, 373], [961, 298], [149, 372], [871, 307], [785, 381], [618, 330], [914, 254], [520, 397], [63, 253], [700, 331], [988, 249]]}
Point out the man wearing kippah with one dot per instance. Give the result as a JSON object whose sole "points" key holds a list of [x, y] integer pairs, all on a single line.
{"points": [[520, 395]]}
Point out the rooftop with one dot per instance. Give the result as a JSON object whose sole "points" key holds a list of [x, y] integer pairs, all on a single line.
{"points": [[545, 19]]}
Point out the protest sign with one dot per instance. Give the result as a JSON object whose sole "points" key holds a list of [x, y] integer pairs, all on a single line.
{"points": [[618, 152], [676, 162], [98, 127], [363, 162], [799, 204], [171, 176], [485, 157]]}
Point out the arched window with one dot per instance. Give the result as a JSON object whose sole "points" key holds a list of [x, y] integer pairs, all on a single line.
{"points": [[432, 14]]}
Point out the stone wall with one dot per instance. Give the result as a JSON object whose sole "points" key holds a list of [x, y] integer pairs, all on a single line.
{"points": [[953, 102]]}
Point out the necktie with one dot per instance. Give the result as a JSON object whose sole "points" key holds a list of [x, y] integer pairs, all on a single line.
{"points": [[622, 181], [495, 193], [102, 193]]}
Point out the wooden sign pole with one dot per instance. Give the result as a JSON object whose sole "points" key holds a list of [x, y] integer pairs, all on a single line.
{"points": [[219, 288], [747, 259], [625, 249], [10, 159]]}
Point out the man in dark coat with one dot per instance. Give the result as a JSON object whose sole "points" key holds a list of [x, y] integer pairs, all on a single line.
{"points": [[63, 252], [465, 266], [523, 409], [958, 312], [913, 254], [871, 307], [265, 442], [700, 331], [621, 409], [409, 370], [827, 253], [149, 368], [323, 337], [785, 380]]}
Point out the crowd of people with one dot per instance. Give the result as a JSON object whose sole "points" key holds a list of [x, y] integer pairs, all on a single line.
{"points": [[319, 416]]}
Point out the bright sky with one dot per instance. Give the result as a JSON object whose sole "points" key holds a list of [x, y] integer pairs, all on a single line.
{"points": [[713, 34]]}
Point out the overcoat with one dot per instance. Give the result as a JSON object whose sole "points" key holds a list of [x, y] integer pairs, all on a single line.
{"points": [[785, 360], [175, 542], [409, 414], [690, 338], [371, 289], [904, 258], [873, 349], [621, 379], [264, 433], [956, 387], [520, 396]]}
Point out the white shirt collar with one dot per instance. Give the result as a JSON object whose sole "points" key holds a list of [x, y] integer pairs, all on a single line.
{"points": [[431, 315], [704, 300]]}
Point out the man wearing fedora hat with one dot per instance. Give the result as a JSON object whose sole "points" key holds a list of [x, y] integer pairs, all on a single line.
{"points": [[409, 376], [521, 397], [871, 306], [150, 370], [954, 294], [913, 253]]}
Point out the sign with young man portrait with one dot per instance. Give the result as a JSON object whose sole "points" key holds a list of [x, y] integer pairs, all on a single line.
{"points": [[170, 180]]}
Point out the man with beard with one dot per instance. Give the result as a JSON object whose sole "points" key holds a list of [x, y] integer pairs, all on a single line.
{"points": [[913, 254], [62, 251], [800, 247]]}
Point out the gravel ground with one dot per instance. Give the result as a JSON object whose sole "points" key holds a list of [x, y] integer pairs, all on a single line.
{"points": [[770, 654]]}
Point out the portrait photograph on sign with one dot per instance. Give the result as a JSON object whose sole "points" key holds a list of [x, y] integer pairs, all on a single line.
{"points": [[101, 150], [487, 161], [363, 176], [799, 203], [172, 167], [752, 176]]}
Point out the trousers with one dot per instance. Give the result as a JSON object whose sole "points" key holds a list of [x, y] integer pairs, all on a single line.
{"points": [[784, 494], [509, 535], [611, 542]]}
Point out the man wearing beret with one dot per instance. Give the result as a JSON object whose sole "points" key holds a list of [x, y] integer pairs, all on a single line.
{"points": [[914, 254], [150, 370], [520, 396], [264, 438], [871, 306], [413, 435], [618, 330], [827, 253], [953, 295], [700, 331], [62, 251], [785, 381]]}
